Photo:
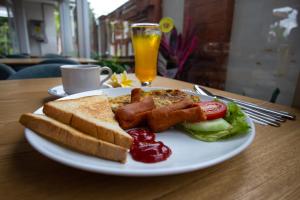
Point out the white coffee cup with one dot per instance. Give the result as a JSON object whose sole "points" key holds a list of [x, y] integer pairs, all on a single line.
{"points": [[80, 78]]}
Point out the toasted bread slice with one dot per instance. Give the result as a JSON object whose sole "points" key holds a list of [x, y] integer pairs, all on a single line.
{"points": [[91, 115], [72, 138]]}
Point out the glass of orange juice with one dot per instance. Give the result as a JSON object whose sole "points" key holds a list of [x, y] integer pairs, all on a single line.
{"points": [[146, 40]]}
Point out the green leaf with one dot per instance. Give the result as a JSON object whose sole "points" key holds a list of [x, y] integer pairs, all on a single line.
{"points": [[113, 65], [235, 117]]}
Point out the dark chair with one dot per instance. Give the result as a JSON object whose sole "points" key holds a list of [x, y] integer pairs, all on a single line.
{"points": [[275, 95], [17, 56], [6, 71], [38, 71], [52, 55], [59, 60]]}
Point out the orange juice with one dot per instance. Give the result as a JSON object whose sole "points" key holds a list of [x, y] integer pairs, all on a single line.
{"points": [[146, 40]]}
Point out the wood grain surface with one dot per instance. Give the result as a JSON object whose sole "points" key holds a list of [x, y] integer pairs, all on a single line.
{"points": [[268, 169]]}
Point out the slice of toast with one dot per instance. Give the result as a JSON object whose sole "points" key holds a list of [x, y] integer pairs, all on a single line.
{"points": [[72, 138], [91, 115]]}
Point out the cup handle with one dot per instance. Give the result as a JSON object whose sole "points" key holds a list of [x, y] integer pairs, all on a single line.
{"points": [[108, 76]]}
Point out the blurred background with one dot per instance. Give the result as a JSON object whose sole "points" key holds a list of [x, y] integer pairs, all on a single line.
{"points": [[247, 47]]}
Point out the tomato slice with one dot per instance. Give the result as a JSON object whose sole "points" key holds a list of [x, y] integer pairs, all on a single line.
{"points": [[213, 109]]}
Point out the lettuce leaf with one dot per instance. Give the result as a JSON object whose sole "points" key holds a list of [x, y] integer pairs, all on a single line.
{"points": [[237, 119], [234, 116]]}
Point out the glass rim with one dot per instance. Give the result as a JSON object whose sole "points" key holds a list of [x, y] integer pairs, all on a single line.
{"points": [[144, 24]]}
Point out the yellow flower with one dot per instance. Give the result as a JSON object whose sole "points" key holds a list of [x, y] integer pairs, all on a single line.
{"points": [[114, 81], [166, 24], [125, 81]]}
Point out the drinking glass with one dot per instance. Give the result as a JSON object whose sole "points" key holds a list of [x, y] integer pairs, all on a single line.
{"points": [[146, 39]]}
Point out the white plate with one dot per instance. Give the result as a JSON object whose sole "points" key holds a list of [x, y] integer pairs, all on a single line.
{"points": [[188, 154], [58, 90]]}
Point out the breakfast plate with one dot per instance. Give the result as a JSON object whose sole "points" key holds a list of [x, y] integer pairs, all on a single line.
{"points": [[58, 90], [188, 154]]}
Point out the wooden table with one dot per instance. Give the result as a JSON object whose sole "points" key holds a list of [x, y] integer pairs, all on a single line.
{"points": [[33, 61], [268, 169]]}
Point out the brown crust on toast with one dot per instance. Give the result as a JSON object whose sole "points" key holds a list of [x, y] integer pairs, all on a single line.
{"points": [[73, 138], [82, 118], [57, 114]]}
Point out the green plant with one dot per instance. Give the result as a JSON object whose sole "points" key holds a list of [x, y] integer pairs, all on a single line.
{"points": [[5, 40], [179, 47], [114, 65]]}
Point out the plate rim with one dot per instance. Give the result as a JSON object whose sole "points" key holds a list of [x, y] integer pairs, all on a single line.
{"points": [[137, 172]]}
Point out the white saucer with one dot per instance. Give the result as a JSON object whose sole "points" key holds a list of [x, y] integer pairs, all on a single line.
{"points": [[58, 90]]}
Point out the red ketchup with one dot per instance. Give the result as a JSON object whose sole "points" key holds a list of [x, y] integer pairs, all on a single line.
{"points": [[145, 148]]}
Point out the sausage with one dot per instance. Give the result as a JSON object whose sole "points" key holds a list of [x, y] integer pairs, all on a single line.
{"points": [[129, 111], [136, 95], [139, 120], [161, 119]]}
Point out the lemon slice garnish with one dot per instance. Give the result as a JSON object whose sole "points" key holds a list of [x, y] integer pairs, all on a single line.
{"points": [[166, 24]]}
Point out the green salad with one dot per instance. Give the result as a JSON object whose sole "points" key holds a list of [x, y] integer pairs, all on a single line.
{"points": [[233, 123]]}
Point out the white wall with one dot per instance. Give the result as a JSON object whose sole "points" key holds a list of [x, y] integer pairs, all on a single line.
{"points": [[21, 26], [66, 28], [33, 11], [259, 63], [50, 29], [42, 11], [175, 10]]}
